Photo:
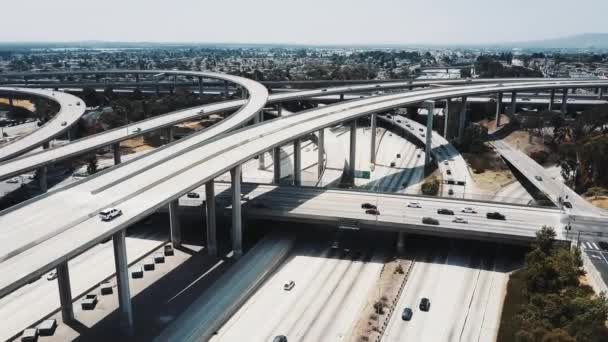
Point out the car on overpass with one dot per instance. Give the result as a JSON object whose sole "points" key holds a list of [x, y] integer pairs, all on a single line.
{"points": [[444, 211], [109, 214], [496, 216], [368, 206], [430, 220]]}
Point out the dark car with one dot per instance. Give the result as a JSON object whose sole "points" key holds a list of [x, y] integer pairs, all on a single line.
{"points": [[603, 245], [445, 212], [372, 212], [567, 205], [368, 206], [496, 216], [425, 304], [430, 220], [280, 338], [407, 314], [193, 195]]}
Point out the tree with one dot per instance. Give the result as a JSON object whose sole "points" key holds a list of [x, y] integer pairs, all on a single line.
{"points": [[473, 138], [430, 187]]}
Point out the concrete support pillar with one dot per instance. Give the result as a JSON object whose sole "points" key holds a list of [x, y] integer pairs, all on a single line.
{"points": [[157, 87], [243, 93], [279, 110], [116, 151], [237, 233], [174, 224], [353, 149], [261, 157], [137, 81], [211, 226], [600, 93], [513, 108], [564, 101], [446, 117], [200, 87], [341, 97], [498, 109], [122, 282], [42, 179], [297, 162], [430, 106], [174, 86], [169, 134], [573, 91], [401, 242], [65, 292], [276, 161], [462, 117], [226, 88], [373, 144], [551, 99], [321, 152], [10, 100]]}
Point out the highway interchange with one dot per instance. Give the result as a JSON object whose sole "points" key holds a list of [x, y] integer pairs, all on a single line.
{"points": [[143, 185]]}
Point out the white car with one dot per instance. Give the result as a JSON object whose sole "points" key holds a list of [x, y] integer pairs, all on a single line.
{"points": [[13, 181], [109, 214], [137, 130], [538, 178], [51, 276], [469, 210], [459, 220], [414, 205]]}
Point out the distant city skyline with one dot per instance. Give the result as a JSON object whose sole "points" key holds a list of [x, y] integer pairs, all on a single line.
{"points": [[314, 22]]}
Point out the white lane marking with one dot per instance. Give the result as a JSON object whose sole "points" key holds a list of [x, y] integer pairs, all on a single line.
{"points": [[594, 245]]}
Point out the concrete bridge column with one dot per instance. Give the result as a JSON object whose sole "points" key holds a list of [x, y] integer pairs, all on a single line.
{"points": [[116, 151], [43, 173], [551, 99], [341, 97], [498, 109], [353, 150], [65, 292], [176, 231], [157, 87], [564, 101], [169, 134], [276, 162], [200, 87], [279, 110], [243, 93], [446, 117], [122, 282], [513, 108], [226, 88], [237, 233], [600, 93], [430, 106], [401, 242], [261, 156], [573, 91], [373, 144], [10, 100], [137, 81], [297, 162], [462, 117], [211, 227], [320, 152], [174, 85], [42, 179]]}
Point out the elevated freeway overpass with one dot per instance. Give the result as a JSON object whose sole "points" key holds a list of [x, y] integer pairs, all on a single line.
{"points": [[143, 185]]}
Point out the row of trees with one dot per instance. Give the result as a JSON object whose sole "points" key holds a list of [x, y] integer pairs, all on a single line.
{"points": [[556, 306], [488, 67], [582, 144]]}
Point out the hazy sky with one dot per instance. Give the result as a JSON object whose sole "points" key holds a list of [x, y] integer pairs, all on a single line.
{"points": [[304, 21]]}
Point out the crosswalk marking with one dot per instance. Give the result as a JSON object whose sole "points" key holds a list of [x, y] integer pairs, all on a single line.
{"points": [[594, 245]]}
